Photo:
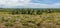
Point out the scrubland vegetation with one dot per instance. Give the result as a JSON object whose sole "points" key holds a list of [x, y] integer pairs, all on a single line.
{"points": [[30, 18]]}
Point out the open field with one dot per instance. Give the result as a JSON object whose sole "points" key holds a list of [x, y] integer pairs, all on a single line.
{"points": [[45, 19]]}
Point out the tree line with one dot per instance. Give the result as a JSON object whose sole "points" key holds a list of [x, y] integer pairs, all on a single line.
{"points": [[32, 11]]}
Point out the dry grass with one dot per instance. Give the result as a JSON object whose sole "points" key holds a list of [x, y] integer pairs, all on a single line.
{"points": [[51, 20]]}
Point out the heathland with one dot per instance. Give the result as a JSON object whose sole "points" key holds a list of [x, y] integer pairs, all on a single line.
{"points": [[29, 17]]}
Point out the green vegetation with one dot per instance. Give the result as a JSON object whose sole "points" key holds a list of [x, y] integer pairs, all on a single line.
{"points": [[32, 11], [29, 18]]}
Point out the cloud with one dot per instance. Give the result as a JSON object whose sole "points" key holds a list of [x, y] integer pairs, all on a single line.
{"points": [[26, 4], [14, 2], [38, 5]]}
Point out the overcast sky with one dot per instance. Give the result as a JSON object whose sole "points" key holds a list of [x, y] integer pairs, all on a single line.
{"points": [[30, 3]]}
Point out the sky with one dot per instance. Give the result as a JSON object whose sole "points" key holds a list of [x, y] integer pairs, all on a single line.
{"points": [[29, 3]]}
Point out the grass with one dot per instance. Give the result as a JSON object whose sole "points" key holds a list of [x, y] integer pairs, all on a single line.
{"points": [[51, 20]]}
